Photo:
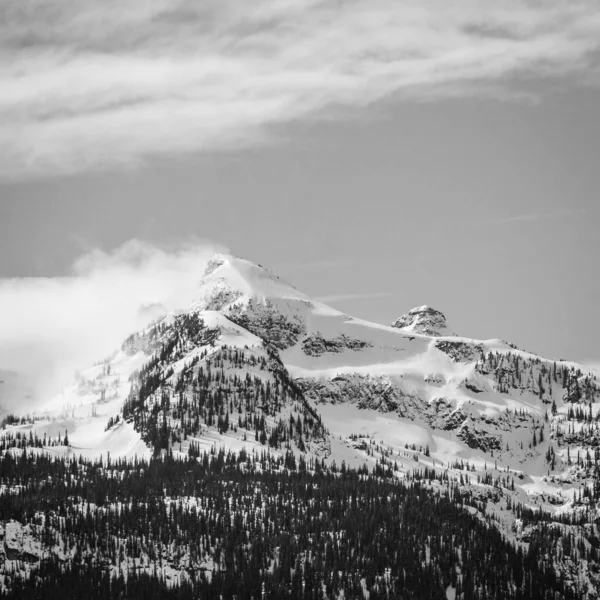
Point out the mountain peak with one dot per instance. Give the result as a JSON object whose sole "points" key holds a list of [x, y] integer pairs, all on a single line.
{"points": [[229, 279], [423, 319]]}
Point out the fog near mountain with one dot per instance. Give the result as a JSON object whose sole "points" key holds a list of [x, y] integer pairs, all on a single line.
{"points": [[52, 327]]}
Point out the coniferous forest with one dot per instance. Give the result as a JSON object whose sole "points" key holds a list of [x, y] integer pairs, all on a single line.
{"points": [[256, 526]]}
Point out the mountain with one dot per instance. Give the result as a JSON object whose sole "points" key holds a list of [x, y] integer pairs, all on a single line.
{"points": [[256, 366], [423, 319]]}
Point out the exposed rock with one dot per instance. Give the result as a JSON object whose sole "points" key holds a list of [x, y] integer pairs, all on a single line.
{"points": [[460, 351], [320, 447], [317, 345], [478, 439], [377, 393], [266, 322], [455, 420], [473, 387], [218, 298], [19, 543], [425, 320]]}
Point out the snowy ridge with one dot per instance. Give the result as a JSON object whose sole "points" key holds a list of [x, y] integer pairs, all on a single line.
{"points": [[230, 280], [248, 306], [256, 364]]}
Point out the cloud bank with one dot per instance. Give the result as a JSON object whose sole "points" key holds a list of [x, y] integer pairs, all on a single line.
{"points": [[89, 85], [53, 326]]}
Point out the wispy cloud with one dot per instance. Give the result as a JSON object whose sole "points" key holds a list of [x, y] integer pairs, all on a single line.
{"points": [[88, 85], [351, 296], [53, 326], [539, 216]]}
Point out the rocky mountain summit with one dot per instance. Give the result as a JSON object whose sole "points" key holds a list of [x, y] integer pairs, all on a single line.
{"points": [[424, 320]]}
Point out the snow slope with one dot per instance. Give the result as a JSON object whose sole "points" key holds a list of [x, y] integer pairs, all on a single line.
{"points": [[411, 387]]}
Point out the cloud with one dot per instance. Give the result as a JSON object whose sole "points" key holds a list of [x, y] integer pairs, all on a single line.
{"points": [[91, 85], [528, 217], [54, 326], [351, 296]]}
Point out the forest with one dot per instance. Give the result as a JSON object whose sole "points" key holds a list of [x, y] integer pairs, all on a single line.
{"points": [[259, 525]]}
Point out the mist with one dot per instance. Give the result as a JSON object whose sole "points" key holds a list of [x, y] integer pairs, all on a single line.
{"points": [[52, 327]]}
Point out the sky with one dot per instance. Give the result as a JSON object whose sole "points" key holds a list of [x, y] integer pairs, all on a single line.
{"points": [[378, 155]]}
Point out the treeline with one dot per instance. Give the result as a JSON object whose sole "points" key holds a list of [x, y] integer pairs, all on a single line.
{"points": [[21, 440], [11, 419]]}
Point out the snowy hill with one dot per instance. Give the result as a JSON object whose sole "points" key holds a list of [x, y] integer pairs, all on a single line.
{"points": [[414, 382], [256, 364]]}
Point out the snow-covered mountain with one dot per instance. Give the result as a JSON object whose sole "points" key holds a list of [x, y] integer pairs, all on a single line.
{"points": [[414, 382], [254, 363]]}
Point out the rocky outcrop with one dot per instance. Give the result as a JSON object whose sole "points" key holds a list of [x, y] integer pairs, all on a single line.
{"points": [[385, 396], [463, 352], [454, 420], [18, 543], [478, 431], [317, 345], [266, 322], [478, 438], [365, 391], [220, 298], [425, 320]]}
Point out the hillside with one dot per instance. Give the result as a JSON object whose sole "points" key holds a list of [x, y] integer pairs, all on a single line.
{"points": [[256, 366]]}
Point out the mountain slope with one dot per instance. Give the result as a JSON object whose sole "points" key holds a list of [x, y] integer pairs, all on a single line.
{"points": [[468, 399], [254, 365]]}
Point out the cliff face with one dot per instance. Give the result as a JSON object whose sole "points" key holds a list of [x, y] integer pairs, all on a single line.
{"points": [[424, 320]]}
